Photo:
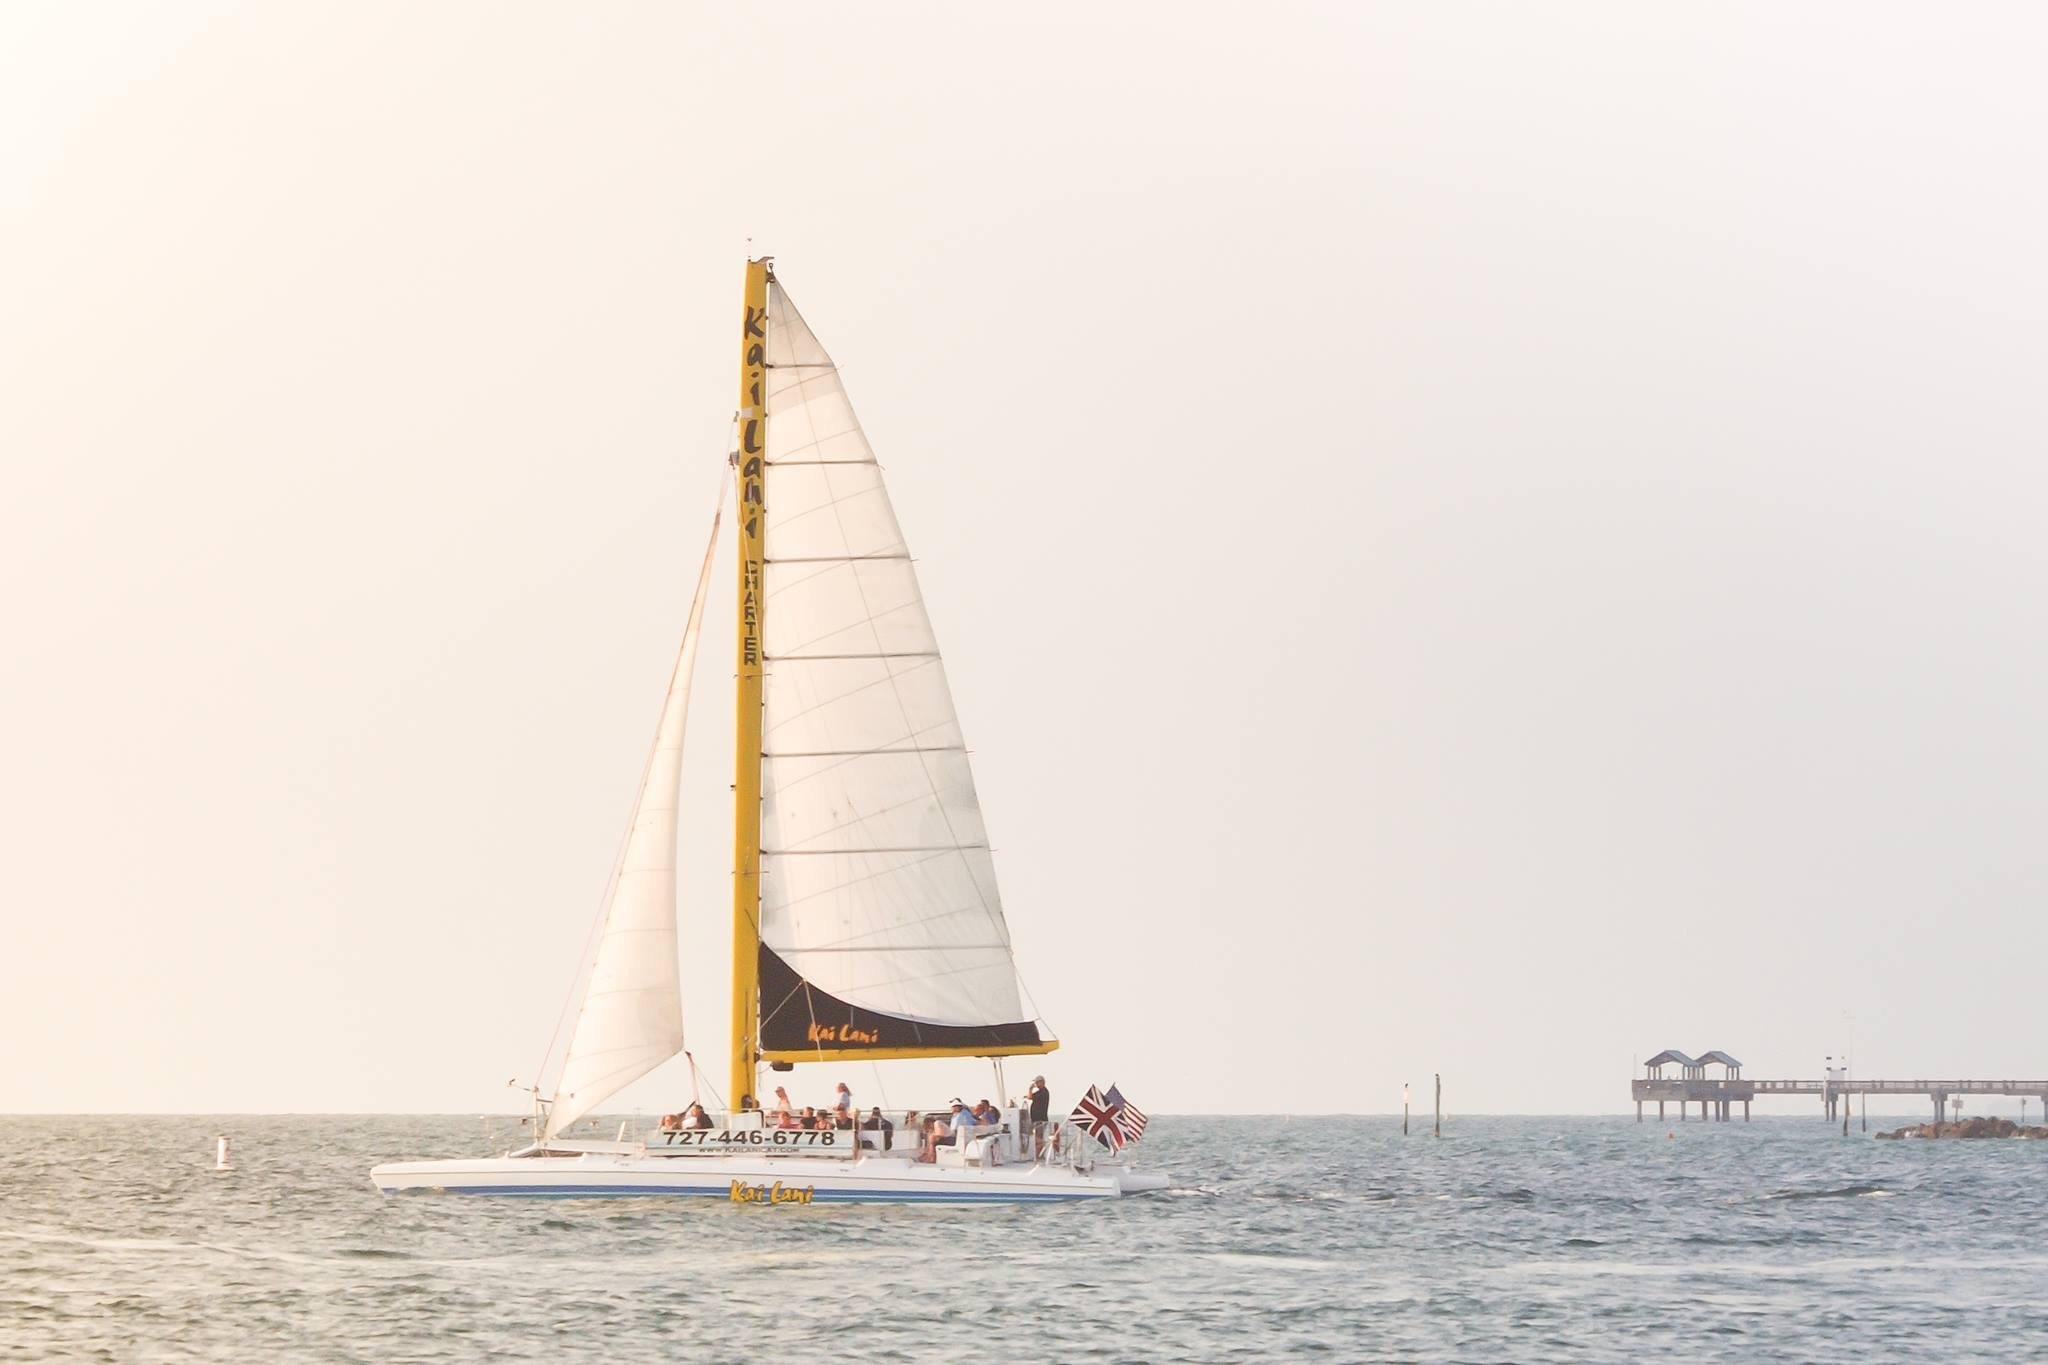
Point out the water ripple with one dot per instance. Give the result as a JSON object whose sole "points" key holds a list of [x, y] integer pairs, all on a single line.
{"points": [[1318, 1238]]}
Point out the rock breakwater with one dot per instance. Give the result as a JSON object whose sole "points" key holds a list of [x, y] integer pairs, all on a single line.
{"points": [[1968, 1128]]}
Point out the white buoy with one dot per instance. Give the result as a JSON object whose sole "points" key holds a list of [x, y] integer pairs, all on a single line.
{"points": [[220, 1154]]}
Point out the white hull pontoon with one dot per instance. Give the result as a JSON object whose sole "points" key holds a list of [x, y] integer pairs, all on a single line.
{"points": [[629, 1169]]}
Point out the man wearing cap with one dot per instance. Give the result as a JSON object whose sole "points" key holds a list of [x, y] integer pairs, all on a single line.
{"points": [[1041, 1110], [963, 1124]]}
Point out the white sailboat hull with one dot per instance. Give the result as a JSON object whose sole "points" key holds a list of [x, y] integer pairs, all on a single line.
{"points": [[761, 1180]]}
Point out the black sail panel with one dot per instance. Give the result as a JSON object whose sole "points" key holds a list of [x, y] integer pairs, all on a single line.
{"points": [[800, 1022]]}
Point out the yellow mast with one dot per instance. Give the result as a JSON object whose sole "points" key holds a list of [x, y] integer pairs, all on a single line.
{"points": [[746, 770]]}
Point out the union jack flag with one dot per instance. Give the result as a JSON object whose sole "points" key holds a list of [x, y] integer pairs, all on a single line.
{"points": [[1097, 1117], [1130, 1119]]}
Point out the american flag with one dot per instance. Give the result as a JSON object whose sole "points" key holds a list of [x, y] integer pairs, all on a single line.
{"points": [[1097, 1118], [1129, 1118]]}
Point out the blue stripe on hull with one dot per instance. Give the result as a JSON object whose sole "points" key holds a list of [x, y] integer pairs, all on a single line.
{"points": [[725, 1192]]}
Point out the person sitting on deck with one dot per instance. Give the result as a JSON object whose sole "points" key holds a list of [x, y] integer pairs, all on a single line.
{"points": [[875, 1123], [936, 1134], [696, 1118], [748, 1104], [987, 1115], [962, 1124], [671, 1123]]}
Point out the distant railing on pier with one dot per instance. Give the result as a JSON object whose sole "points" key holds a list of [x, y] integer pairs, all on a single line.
{"points": [[1717, 1098], [1846, 1087]]}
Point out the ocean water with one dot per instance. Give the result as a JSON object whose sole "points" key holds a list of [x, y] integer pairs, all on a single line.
{"points": [[1333, 1238]]}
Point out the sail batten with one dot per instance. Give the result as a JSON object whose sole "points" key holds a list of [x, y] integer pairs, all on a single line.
{"points": [[631, 1020], [871, 829]]}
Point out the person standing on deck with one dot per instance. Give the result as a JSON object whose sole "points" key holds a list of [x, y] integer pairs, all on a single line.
{"points": [[1040, 1100], [842, 1104]]}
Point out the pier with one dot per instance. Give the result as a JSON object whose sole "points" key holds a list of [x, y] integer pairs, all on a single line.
{"points": [[1717, 1096]]}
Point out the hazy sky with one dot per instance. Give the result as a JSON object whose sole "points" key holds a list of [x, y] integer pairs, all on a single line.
{"points": [[1484, 539]]}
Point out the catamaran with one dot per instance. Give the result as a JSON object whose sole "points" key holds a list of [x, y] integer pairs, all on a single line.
{"points": [[866, 920]]}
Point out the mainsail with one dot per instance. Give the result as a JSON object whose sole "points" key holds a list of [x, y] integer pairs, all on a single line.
{"points": [[632, 1015], [881, 929]]}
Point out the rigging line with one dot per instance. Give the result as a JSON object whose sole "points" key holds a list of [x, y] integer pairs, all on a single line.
{"points": [[837, 944], [769, 1015], [789, 784], [837, 559], [697, 1077], [929, 976], [607, 1051], [835, 499], [851, 658], [780, 590], [836, 698], [792, 583], [866, 753], [790, 905], [995, 922], [804, 399], [899, 947], [855, 852], [784, 785], [919, 801], [787, 584], [853, 822], [1037, 1015], [826, 499], [583, 961]]}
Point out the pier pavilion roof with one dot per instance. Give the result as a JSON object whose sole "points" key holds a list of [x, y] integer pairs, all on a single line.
{"points": [[1671, 1055]]}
